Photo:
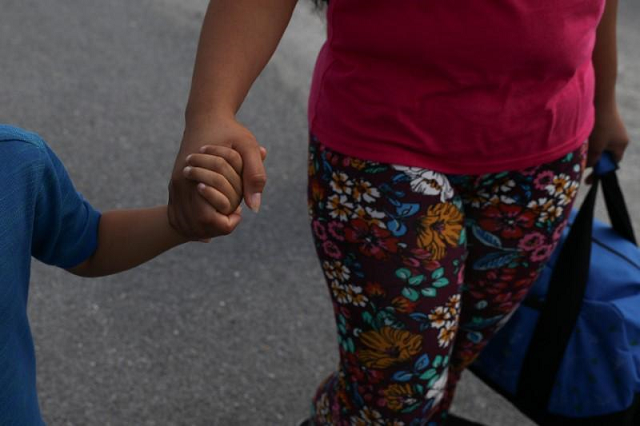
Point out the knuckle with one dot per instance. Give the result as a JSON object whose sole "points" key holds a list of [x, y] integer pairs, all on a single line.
{"points": [[259, 179], [195, 159], [217, 162], [216, 180], [235, 157], [226, 228], [245, 140], [225, 206]]}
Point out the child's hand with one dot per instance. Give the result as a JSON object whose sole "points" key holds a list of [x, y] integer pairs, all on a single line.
{"points": [[217, 169]]}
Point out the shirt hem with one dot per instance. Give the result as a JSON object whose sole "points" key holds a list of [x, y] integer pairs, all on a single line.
{"points": [[454, 167]]}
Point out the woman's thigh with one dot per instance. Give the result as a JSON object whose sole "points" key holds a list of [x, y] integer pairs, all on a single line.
{"points": [[514, 221], [391, 242]]}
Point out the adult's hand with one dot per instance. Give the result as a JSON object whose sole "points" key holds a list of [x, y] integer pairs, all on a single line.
{"points": [[189, 213], [608, 134]]}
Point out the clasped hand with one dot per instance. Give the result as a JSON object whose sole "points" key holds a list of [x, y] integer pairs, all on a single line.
{"points": [[218, 166]]}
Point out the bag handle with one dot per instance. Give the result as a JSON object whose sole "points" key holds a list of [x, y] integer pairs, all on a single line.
{"points": [[614, 200], [566, 291]]}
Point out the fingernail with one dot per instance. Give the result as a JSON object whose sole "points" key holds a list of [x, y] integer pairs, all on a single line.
{"points": [[189, 157], [201, 186], [203, 148], [255, 202], [187, 170]]}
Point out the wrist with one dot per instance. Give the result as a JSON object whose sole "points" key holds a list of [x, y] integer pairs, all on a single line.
{"points": [[198, 117], [174, 237]]}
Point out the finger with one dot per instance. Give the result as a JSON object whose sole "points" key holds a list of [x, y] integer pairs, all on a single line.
{"points": [[229, 198], [254, 176], [593, 156], [205, 217], [219, 165], [229, 154], [220, 224], [216, 199], [589, 179], [234, 221], [618, 149]]}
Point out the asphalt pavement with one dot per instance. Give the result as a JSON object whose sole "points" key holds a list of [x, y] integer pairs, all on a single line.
{"points": [[236, 332]]}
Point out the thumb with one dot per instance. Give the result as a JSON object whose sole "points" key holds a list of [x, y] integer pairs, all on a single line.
{"points": [[254, 176]]}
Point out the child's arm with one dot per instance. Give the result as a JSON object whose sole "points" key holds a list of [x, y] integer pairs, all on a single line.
{"points": [[128, 238]]}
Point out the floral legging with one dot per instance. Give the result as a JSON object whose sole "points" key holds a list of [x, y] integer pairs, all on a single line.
{"points": [[423, 268]]}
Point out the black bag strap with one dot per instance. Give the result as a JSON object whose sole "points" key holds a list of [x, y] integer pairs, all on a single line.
{"points": [[617, 208], [566, 291]]}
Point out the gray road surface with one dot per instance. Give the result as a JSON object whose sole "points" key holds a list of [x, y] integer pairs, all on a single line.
{"points": [[238, 332]]}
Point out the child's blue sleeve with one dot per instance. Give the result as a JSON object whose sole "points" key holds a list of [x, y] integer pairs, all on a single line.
{"points": [[65, 230]]}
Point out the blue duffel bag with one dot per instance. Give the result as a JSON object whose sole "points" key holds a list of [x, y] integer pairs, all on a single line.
{"points": [[570, 354]]}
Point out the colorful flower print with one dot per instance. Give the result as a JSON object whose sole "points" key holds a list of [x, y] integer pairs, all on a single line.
{"points": [[423, 268], [331, 249], [403, 305], [336, 269], [372, 240], [336, 230], [357, 297], [568, 193], [374, 289], [541, 253], [363, 191], [447, 333], [369, 215], [421, 258], [510, 221], [368, 417], [453, 305], [439, 317], [401, 397], [341, 184], [440, 228], [531, 241], [319, 230], [544, 180], [339, 207], [437, 390], [340, 293], [558, 184], [388, 347], [428, 182]]}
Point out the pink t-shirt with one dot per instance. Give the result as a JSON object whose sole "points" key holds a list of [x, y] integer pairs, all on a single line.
{"points": [[457, 86]]}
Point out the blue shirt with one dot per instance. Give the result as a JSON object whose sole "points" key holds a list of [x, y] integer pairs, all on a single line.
{"points": [[41, 215]]}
